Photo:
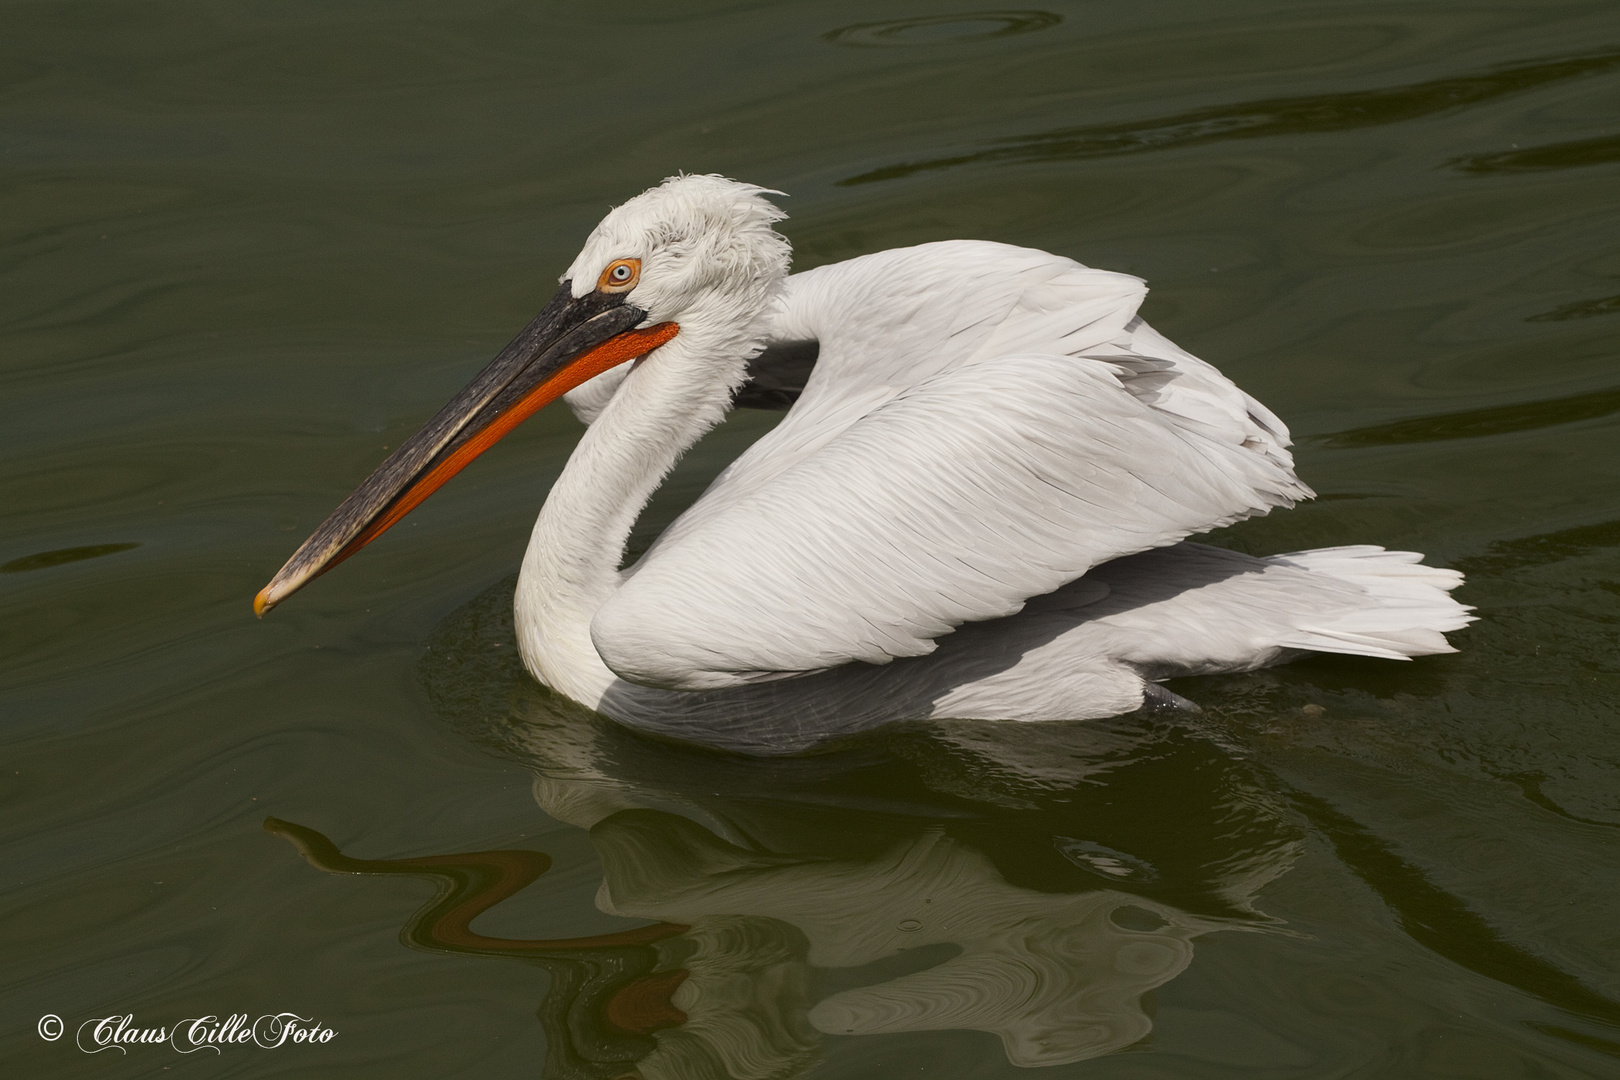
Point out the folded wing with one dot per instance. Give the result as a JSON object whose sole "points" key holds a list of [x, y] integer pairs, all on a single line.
{"points": [[955, 499]]}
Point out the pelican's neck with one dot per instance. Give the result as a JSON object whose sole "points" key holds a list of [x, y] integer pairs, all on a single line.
{"points": [[672, 397]]}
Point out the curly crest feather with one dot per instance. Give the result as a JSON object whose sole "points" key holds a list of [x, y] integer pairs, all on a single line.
{"points": [[694, 234]]}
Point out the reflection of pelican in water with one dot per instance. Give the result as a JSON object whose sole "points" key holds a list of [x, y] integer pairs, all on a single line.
{"points": [[991, 438], [1015, 880], [1057, 977]]}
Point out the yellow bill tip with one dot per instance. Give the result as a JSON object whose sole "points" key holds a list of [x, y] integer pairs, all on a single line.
{"points": [[261, 602]]}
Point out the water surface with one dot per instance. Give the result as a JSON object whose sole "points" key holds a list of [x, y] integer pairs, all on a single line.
{"points": [[249, 247]]}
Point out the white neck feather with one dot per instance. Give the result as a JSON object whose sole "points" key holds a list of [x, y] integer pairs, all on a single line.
{"points": [[673, 396]]}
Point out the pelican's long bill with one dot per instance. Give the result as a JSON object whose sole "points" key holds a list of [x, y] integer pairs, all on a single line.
{"points": [[573, 340]]}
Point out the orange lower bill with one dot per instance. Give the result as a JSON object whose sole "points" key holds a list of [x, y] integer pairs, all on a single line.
{"points": [[587, 366]]}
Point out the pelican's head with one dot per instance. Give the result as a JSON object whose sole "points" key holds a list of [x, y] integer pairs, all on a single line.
{"points": [[696, 254], [692, 245]]}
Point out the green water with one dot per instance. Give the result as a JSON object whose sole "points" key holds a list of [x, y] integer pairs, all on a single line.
{"points": [[246, 247]]}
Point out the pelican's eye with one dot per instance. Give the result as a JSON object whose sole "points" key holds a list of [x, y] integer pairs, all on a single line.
{"points": [[620, 276]]}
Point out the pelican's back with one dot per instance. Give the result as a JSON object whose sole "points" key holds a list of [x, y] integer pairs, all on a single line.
{"points": [[984, 423]]}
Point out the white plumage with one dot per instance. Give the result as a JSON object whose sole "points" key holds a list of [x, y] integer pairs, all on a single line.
{"points": [[976, 508]]}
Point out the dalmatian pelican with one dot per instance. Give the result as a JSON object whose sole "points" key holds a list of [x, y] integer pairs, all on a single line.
{"points": [[977, 505]]}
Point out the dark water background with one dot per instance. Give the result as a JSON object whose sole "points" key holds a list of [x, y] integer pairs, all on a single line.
{"points": [[246, 246]]}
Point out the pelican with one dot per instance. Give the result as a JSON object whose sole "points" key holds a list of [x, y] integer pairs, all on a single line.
{"points": [[977, 506]]}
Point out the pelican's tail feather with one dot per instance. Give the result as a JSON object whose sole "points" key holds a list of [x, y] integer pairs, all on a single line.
{"points": [[1407, 612]]}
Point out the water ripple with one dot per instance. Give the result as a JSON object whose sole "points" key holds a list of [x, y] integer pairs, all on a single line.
{"points": [[942, 29], [44, 560], [1543, 548], [1477, 423], [1580, 309], [1304, 115], [1442, 922], [1565, 155]]}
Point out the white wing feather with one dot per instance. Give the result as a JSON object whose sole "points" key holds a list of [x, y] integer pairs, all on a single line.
{"points": [[983, 425], [953, 502], [890, 320]]}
